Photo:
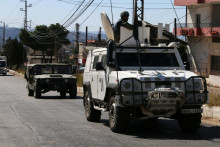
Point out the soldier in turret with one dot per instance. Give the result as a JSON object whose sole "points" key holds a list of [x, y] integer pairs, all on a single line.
{"points": [[122, 22]]}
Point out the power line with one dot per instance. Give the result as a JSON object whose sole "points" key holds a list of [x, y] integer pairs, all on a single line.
{"points": [[118, 7], [92, 12], [12, 10]]}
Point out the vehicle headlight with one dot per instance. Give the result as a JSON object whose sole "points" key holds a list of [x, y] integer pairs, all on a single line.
{"points": [[129, 85], [66, 80], [189, 87], [47, 80], [198, 84]]}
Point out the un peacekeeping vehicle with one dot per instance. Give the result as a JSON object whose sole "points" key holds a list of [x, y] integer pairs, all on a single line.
{"points": [[134, 80], [45, 77]]}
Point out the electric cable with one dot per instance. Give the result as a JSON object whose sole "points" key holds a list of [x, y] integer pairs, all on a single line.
{"points": [[91, 13]]}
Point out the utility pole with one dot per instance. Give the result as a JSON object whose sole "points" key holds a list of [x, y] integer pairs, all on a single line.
{"points": [[3, 36], [99, 35], [86, 35], [77, 44], [25, 10], [139, 8]]}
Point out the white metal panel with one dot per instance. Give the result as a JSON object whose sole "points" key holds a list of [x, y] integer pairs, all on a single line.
{"points": [[144, 33]]}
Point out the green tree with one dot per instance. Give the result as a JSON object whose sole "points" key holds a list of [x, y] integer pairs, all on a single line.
{"points": [[46, 39], [15, 52]]}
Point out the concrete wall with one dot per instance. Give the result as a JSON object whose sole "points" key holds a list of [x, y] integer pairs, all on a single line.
{"points": [[204, 10], [215, 49], [214, 80], [201, 50]]}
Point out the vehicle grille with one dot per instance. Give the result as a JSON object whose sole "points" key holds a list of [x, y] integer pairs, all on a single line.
{"points": [[56, 80], [160, 83]]}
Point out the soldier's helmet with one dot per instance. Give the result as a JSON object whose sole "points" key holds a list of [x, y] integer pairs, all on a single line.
{"points": [[124, 13]]}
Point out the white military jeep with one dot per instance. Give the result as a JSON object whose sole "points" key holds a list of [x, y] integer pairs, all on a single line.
{"points": [[142, 83]]}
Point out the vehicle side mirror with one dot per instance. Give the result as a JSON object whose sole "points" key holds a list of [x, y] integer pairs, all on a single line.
{"points": [[99, 66], [110, 49]]}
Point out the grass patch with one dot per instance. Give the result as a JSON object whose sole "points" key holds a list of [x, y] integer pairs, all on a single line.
{"points": [[214, 99], [79, 77], [21, 70]]}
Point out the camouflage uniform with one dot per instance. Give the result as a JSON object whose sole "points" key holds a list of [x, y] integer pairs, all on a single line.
{"points": [[117, 26]]}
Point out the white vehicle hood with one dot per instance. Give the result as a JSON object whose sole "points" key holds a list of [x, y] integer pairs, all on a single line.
{"points": [[54, 76], [184, 75]]}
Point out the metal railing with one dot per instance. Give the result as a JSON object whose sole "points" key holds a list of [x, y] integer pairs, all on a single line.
{"points": [[142, 92]]}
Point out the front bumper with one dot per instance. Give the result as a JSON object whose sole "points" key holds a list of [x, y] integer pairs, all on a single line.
{"points": [[2, 71], [55, 83], [163, 96]]}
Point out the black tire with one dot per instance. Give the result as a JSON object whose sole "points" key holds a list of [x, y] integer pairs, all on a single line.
{"points": [[30, 92], [91, 114], [73, 90], [37, 91], [153, 119], [118, 117], [63, 93], [4, 74], [189, 122]]}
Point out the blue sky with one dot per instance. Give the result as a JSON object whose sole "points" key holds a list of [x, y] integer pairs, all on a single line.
{"points": [[46, 12]]}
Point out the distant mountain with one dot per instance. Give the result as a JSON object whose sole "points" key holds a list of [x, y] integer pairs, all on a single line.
{"points": [[14, 32], [9, 32]]}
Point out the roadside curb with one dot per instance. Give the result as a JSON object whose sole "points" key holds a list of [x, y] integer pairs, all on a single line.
{"points": [[212, 112], [16, 73]]}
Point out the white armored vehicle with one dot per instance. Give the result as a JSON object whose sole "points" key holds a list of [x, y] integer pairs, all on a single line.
{"points": [[141, 82]]}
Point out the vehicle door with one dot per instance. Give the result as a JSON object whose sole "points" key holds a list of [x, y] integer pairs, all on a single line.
{"points": [[102, 78], [94, 76]]}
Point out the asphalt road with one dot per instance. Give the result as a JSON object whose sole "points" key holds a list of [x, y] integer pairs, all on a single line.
{"points": [[57, 122]]}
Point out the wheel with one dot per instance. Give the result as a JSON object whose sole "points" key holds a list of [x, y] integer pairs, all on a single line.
{"points": [[189, 122], [30, 92], [91, 114], [118, 117], [63, 93], [4, 74], [37, 91], [73, 90]]}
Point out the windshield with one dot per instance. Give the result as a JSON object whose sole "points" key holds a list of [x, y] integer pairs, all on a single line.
{"points": [[2, 63], [43, 70], [52, 69], [62, 69], [147, 60]]}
